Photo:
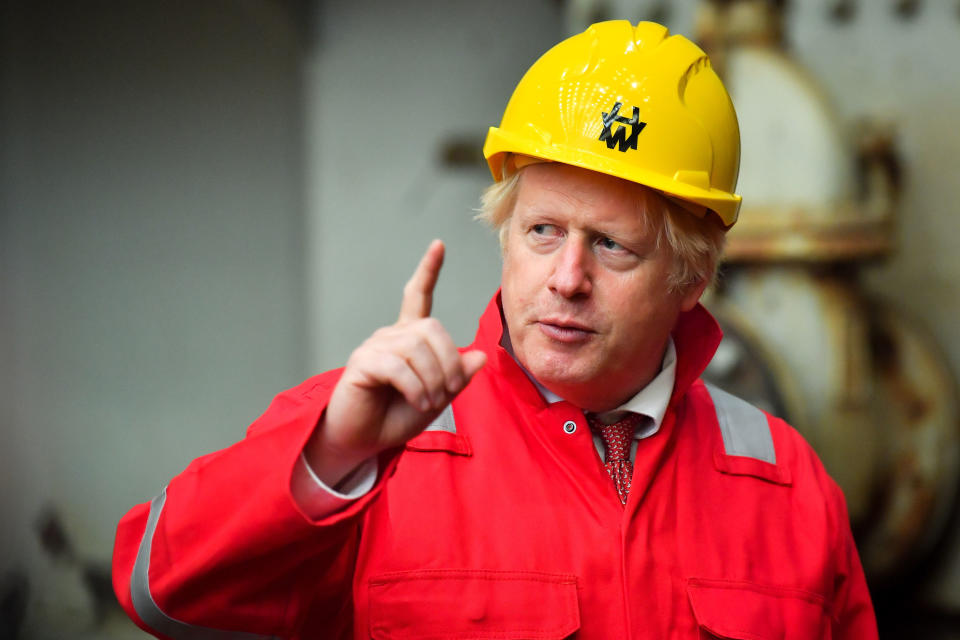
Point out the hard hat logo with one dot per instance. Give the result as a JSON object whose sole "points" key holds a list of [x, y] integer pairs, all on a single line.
{"points": [[619, 137]]}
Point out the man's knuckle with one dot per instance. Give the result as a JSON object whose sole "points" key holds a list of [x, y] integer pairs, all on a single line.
{"points": [[385, 360], [408, 342], [431, 326], [433, 375]]}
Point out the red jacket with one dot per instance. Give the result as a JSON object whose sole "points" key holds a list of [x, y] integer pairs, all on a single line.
{"points": [[497, 522]]}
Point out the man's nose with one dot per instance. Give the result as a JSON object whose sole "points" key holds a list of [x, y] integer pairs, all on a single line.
{"points": [[572, 270]]}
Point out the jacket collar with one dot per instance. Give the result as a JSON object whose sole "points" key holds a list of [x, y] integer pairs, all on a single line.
{"points": [[696, 336]]}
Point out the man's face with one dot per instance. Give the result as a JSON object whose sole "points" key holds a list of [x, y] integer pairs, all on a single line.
{"points": [[584, 288]]}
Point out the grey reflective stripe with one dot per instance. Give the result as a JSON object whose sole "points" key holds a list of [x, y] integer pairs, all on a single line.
{"points": [[144, 604], [444, 421], [744, 428]]}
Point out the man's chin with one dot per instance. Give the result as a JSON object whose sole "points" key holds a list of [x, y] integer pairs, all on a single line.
{"points": [[563, 366], [563, 378]]}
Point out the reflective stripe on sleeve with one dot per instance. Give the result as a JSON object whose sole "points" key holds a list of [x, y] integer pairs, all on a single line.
{"points": [[744, 428], [146, 607], [444, 421]]}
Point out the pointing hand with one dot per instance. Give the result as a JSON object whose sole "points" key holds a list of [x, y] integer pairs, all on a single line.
{"points": [[395, 383]]}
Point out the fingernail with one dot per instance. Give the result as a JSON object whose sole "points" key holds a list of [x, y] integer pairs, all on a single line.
{"points": [[456, 383], [424, 404], [437, 400]]}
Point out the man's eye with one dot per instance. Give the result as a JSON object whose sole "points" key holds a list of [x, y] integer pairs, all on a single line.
{"points": [[610, 245], [543, 229]]}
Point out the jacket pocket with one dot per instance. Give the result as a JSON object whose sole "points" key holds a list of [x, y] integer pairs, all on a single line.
{"points": [[746, 611], [429, 605]]}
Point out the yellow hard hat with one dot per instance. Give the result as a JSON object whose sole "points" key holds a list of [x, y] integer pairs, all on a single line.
{"points": [[632, 102]]}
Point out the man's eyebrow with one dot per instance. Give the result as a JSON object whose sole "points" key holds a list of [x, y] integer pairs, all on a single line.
{"points": [[536, 209]]}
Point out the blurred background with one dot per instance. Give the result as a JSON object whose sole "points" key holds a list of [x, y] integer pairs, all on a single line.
{"points": [[203, 203]]}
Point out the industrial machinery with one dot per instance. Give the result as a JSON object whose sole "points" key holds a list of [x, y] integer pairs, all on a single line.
{"points": [[867, 386]]}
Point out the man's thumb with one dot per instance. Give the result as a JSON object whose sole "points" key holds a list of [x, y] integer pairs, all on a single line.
{"points": [[473, 361]]}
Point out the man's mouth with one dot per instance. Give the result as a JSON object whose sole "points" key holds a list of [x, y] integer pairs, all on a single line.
{"points": [[565, 331]]}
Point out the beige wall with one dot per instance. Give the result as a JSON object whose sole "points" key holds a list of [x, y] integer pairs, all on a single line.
{"points": [[151, 261]]}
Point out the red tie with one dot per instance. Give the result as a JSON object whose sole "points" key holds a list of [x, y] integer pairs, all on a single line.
{"points": [[617, 438]]}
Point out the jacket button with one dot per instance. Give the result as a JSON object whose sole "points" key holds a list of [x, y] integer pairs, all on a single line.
{"points": [[569, 426]]}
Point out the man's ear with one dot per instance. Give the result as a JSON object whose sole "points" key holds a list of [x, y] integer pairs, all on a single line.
{"points": [[690, 294]]}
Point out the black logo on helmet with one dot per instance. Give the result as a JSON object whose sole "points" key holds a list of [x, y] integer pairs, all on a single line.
{"points": [[620, 136]]}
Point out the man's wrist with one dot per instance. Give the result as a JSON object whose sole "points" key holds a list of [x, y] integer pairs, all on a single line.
{"points": [[319, 500], [331, 465]]}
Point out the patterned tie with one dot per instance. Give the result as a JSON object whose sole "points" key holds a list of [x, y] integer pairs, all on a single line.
{"points": [[617, 438]]}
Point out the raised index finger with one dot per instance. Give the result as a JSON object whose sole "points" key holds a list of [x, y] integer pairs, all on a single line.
{"points": [[418, 292]]}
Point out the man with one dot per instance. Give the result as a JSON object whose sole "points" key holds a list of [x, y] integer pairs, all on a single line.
{"points": [[429, 492]]}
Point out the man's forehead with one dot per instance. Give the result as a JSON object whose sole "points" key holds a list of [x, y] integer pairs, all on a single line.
{"points": [[564, 189]]}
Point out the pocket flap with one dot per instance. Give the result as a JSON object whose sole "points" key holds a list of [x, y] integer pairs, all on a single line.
{"points": [[440, 441], [442, 435], [429, 605], [746, 611]]}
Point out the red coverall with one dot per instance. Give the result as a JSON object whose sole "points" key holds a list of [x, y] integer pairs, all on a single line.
{"points": [[500, 521]]}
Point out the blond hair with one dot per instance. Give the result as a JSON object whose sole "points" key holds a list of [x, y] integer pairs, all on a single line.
{"points": [[695, 242]]}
